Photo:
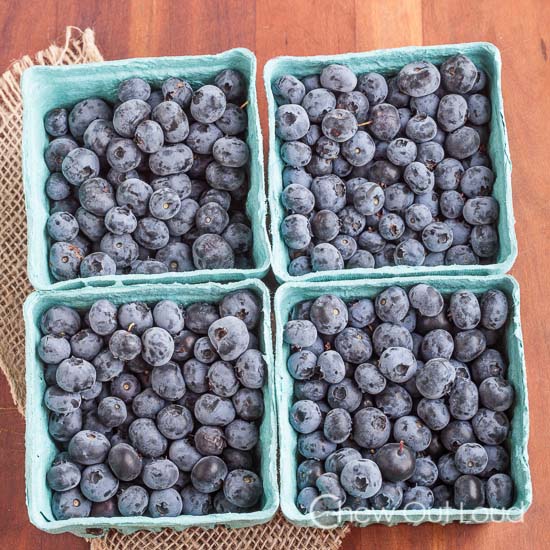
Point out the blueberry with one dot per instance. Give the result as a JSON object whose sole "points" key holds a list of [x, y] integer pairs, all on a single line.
{"points": [[213, 410], [425, 472], [231, 152], [70, 504], [164, 503], [371, 428], [385, 121], [194, 502], [85, 112], [484, 240], [60, 401], [491, 427], [374, 86], [57, 187], [171, 160], [288, 89], [177, 90], [340, 125], [123, 155], [75, 375], [133, 501], [210, 251], [469, 344], [317, 103], [173, 121], [396, 461], [413, 432], [409, 252], [461, 255], [496, 393], [232, 83], [89, 447], [167, 381], [421, 128], [437, 237], [435, 379], [98, 484], [479, 109], [63, 476], [98, 136], [102, 317], [452, 112], [391, 227], [462, 143], [338, 78], [392, 304], [63, 426], [368, 198], [134, 88], [397, 364], [426, 104], [469, 492], [251, 369], [465, 310], [86, 344], [477, 181], [356, 102], [499, 491], [229, 336], [308, 471], [242, 488], [149, 136], [448, 473], [437, 343], [389, 497], [124, 462], [224, 177], [146, 438], [417, 498], [159, 474], [456, 433], [442, 496], [458, 74], [463, 400], [56, 122], [208, 474], [314, 445], [307, 500], [481, 210], [337, 425], [426, 299], [157, 346], [418, 79], [401, 151], [134, 194], [430, 153], [56, 152], [53, 349]]}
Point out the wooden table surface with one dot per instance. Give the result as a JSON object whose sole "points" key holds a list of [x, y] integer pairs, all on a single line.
{"points": [[520, 28]]}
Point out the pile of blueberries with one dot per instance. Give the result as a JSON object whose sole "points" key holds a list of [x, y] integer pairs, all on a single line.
{"points": [[155, 411], [156, 182], [401, 402], [387, 171]]}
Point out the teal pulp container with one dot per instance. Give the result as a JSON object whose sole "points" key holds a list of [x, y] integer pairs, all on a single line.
{"points": [[388, 62], [40, 448], [44, 88], [290, 294]]}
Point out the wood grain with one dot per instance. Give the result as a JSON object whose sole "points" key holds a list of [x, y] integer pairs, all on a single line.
{"points": [[276, 27]]}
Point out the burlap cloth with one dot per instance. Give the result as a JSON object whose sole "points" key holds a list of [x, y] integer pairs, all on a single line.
{"points": [[80, 47]]}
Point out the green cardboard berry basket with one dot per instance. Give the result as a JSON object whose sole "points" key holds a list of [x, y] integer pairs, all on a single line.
{"points": [[44, 88], [40, 448], [388, 62], [290, 294]]}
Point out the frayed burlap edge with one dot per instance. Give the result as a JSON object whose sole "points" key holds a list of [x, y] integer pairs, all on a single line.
{"points": [[78, 47]]}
